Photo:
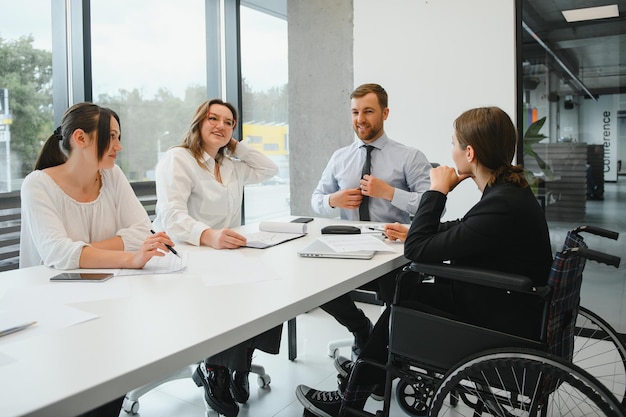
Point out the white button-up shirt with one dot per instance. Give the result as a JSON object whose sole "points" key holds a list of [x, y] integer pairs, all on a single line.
{"points": [[191, 200]]}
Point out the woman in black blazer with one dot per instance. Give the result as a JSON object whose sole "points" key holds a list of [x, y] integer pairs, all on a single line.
{"points": [[505, 231]]}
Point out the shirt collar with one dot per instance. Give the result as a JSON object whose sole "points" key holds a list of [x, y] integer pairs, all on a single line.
{"points": [[378, 143], [206, 157]]}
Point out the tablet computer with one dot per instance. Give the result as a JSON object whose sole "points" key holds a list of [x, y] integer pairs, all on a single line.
{"points": [[82, 277]]}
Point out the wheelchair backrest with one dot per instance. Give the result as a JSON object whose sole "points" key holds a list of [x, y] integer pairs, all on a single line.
{"points": [[565, 282]]}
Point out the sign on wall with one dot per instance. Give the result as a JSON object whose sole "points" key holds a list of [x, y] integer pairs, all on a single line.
{"points": [[599, 126]]}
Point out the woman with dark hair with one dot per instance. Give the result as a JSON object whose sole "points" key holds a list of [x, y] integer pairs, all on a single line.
{"points": [[199, 196], [505, 231], [78, 209]]}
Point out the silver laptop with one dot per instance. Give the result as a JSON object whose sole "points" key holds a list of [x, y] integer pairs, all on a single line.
{"points": [[318, 249]]}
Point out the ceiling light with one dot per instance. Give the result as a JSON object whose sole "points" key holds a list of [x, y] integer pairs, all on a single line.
{"points": [[591, 13]]}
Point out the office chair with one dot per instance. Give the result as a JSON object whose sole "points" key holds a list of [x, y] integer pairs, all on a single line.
{"points": [[131, 400]]}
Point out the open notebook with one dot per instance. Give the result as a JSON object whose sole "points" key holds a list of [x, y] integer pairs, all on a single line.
{"points": [[318, 249]]}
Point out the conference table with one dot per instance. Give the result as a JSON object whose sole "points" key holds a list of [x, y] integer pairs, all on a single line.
{"points": [[142, 328]]}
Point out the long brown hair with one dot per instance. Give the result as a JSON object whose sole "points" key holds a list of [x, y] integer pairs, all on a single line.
{"points": [[88, 117], [193, 138], [490, 131]]}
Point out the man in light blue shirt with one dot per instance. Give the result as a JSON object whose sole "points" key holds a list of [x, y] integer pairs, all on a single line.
{"points": [[398, 175]]}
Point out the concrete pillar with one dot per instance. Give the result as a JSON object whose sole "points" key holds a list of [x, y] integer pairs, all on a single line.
{"points": [[320, 82]]}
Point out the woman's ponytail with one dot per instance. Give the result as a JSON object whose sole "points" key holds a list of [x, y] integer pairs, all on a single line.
{"points": [[51, 154]]}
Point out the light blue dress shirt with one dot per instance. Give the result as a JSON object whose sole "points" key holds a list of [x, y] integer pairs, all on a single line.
{"points": [[403, 167]]}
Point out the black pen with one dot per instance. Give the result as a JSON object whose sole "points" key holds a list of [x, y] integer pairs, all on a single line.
{"points": [[168, 246]]}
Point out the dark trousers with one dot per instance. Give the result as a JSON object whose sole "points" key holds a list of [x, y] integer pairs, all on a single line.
{"points": [[236, 357], [345, 311]]}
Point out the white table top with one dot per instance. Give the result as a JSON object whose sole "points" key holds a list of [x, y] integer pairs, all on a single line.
{"points": [[167, 322]]}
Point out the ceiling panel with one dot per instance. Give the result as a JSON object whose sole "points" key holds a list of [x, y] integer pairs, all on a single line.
{"points": [[593, 51]]}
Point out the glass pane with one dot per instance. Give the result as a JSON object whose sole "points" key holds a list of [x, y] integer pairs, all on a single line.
{"points": [[573, 74], [149, 65], [265, 108], [26, 117]]}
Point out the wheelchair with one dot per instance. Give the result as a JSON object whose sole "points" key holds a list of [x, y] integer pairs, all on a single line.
{"points": [[576, 366]]}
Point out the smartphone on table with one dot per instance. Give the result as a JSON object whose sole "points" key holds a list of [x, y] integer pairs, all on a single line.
{"points": [[82, 277], [302, 220]]}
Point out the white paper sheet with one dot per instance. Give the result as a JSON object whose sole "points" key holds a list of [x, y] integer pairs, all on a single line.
{"points": [[50, 316], [160, 265], [234, 269]]}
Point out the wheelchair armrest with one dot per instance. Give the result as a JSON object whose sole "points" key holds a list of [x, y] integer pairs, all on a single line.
{"points": [[488, 278]]}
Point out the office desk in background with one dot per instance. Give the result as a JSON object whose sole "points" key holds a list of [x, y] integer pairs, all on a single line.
{"points": [[168, 321]]}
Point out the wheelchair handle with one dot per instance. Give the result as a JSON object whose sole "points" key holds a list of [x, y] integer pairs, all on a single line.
{"points": [[595, 230], [597, 256]]}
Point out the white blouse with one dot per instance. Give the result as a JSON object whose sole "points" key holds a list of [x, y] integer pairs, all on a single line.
{"points": [[191, 200], [55, 227]]}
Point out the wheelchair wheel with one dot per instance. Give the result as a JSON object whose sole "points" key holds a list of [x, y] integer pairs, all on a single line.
{"points": [[599, 350], [507, 383]]}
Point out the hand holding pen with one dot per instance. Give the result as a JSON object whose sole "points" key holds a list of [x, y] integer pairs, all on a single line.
{"points": [[171, 249], [396, 231]]}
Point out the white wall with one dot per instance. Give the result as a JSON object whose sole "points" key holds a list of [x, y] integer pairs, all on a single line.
{"points": [[437, 59]]}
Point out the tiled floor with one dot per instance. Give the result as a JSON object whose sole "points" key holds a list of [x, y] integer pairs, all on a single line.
{"points": [[604, 291]]}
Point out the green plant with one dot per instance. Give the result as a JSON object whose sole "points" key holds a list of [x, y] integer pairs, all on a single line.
{"points": [[531, 137]]}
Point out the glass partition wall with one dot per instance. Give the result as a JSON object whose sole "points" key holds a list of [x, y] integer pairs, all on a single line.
{"points": [[573, 100], [574, 82]]}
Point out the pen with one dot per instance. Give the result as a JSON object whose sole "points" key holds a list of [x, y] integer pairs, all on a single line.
{"points": [[16, 328], [168, 246]]}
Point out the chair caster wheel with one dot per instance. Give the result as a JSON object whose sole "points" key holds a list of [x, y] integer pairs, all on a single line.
{"points": [[414, 398], [263, 381], [130, 406]]}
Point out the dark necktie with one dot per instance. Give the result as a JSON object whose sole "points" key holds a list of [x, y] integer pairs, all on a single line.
{"points": [[364, 211]]}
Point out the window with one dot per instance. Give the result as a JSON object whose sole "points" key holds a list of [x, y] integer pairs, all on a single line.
{"points": [[265, 107], [26, 115], [149, 65]]}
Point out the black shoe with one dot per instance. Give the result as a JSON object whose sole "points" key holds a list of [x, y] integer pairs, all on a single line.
{"points": [[216, 381], [344, 367], [360, 338], [239, 386], [319, 403]]}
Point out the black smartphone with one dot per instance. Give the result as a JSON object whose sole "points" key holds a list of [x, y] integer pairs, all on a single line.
{"points": [[302, 220], [82, 277]]}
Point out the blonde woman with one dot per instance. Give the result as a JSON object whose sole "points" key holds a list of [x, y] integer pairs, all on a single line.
{"points": [[199, 196]]}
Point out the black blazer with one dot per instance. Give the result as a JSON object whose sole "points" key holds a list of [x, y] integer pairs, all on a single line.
{"points": [[505, 231]]}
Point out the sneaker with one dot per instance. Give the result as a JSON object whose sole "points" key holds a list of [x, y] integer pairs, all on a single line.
{"points": [[344, 367], [239, 386], [216, 383], [319, 403]]}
